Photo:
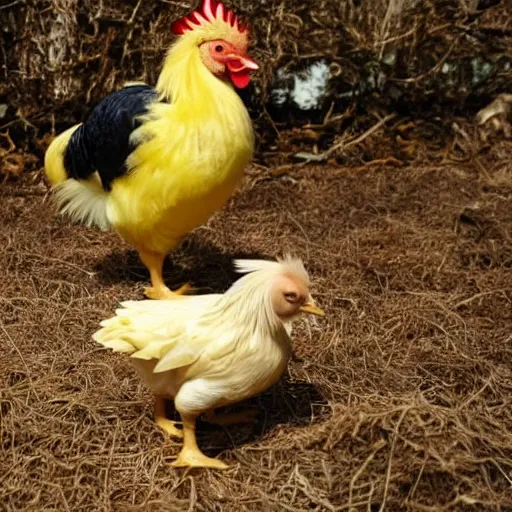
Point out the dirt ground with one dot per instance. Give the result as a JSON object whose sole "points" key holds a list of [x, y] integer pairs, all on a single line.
{"points": [[400, 399]]}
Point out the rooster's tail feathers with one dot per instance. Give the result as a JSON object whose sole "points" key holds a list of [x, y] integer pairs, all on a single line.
{"points": [[54, 158], [83, 201]]}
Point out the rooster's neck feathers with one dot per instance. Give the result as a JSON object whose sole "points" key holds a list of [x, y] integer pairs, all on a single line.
{"points": [[183, 75], [249, 299]]}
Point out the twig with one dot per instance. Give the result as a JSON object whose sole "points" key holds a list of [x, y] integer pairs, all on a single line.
{"points": [[411, 32], [12, 4], [193, 495], [384, 28], [359, 472], [109, 463], [477, 296], [472, 398], [391, 450], [499, 31], [311, 157], [390, 160], [57, 260], [130, 33], [321, 157], [433, 69], [418, 478], [360, 139], [395, 38]]}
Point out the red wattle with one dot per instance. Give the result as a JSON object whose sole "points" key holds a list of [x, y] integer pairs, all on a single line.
{"points": [[240, 79]]}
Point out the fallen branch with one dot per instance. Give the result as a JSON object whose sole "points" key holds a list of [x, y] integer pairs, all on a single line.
{"points": [[322, 157]]}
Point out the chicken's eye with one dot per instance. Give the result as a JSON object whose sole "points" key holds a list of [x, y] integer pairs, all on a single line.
{"points": [[291, 296], [219, 48]]}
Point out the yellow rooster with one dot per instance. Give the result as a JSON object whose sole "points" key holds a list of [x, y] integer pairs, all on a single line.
{"points": [[208, 351], [155, 163]]}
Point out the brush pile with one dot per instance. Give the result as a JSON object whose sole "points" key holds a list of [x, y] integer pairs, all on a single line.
{"points": [[319, 59]]}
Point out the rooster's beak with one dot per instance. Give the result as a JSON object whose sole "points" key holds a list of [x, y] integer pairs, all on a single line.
{"points": [[249, 63], [237, 63], [310, 308]]}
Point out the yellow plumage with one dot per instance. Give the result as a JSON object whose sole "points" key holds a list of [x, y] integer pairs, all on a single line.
{"points": [[192, 148], [213, 350], [53, 158], [197, 148]]}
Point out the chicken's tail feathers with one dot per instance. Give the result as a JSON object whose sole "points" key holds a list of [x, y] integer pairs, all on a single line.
{"points": [[83, 201], [54, 167], [145, 335]]}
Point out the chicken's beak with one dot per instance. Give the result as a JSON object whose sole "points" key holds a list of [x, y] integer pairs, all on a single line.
{"points": [[310, 308], [249, 63], [237, 63], [239, 67]]}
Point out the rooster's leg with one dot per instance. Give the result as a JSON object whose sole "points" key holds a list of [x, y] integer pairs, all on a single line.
{"points": [[168, 426], [190, 455], [154, 263], [244, 416]]}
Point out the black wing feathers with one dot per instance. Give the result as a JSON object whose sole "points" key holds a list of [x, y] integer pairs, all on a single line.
{"points": [[102, 143]]}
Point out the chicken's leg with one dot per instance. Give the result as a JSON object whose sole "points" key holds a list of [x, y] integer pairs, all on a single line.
{"points": [[155, 262], [244, 416], [168, 426], [190, 455]]}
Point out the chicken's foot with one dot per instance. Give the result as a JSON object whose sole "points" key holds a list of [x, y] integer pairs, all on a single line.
{"points": [[164, 293], [167, 425], [191, 456], [155, 262]]}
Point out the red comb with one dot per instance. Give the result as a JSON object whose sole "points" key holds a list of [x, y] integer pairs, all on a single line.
{"points": [[210, 11]]}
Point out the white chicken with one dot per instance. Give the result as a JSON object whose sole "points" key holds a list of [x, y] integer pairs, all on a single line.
{"points": [[209, 351]]}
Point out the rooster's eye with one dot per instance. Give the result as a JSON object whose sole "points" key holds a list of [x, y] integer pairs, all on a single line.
{"points": [[291, 296], [219, 48]]}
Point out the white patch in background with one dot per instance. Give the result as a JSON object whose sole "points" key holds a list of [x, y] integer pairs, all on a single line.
{"points": [[309, 91], [389, 58], [447, 67], [481, 71], [309, 86]]}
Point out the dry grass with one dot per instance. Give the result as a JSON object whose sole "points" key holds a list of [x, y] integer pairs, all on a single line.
{"points": [[399, 400]]}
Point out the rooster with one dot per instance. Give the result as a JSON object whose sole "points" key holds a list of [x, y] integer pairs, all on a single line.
{"points": [[154, 163], [209, 351]]}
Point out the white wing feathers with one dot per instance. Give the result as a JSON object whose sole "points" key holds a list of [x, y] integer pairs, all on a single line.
{"points": [[179, 332], [163, 330]]}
